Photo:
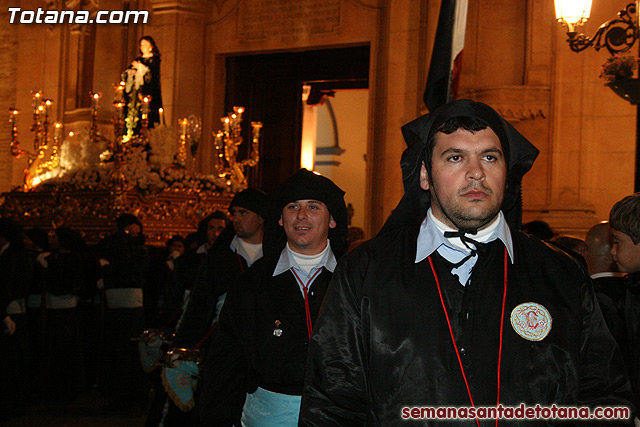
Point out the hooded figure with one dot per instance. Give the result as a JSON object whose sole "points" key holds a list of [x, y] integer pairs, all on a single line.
{"points": [[519, 152], [257, 366], [451, 306], [199, 284], [300, 186]]}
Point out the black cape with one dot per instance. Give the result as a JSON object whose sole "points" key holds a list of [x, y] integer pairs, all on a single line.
{"points": [[382, 341]]}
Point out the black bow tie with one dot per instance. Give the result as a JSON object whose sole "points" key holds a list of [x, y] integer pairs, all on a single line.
{"points": [[461, 234]]}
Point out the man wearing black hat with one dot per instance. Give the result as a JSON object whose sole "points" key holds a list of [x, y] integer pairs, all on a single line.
{"points": [[234, 250], [451, 306], [260, 346], [228, 254]]}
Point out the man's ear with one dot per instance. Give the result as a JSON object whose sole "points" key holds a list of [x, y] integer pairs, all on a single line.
{"points": [[280, 221], [332, 222], [424, 177]]}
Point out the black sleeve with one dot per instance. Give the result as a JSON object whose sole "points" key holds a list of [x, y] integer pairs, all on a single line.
{"points": [[200, 307], [223, 386], [335, 383], [603, 380]]}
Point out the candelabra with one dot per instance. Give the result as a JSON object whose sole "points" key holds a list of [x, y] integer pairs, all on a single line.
{"points": [[40, 128], [226, 145], [94, 135], [118, 118], [16, 151], [54, 159], [190, 133], [144, 122], [181, 156]]}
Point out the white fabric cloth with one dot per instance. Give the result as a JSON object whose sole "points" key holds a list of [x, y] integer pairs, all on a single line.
{"points": [[61, 302], [251, 252], [264, 408], [124, 298]]}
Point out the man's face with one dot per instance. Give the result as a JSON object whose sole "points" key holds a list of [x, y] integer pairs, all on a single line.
{"points": [[214, 228], [468, 177], [307, 224], [625, 253], [247, 224], [176, 246]]}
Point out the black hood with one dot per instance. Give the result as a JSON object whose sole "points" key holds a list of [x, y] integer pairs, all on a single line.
{"points": [[300, 186], [520, 154]]}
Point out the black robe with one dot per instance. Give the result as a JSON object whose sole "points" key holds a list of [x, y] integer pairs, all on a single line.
{"points": [[217, 274], [631, 307], [246, 353], [382, 341]]}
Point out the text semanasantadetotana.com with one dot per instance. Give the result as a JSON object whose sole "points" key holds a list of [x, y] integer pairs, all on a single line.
{"points": [[41, 16], [522, 412]]}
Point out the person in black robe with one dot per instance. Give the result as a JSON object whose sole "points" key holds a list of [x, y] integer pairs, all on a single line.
{"points": [[186, 267], [451, 306], [214, 267], [65, 281], [15, 277], [608, 282], [256, 371], [125, 268]]}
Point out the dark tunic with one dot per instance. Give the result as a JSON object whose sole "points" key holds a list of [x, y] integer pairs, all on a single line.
{"points": [[210, 278], [382, 342], [15, 276], [64, 356], [632, 321], [180, 280], [128, 268], [246, 352], [610, 295], [218, 273]]}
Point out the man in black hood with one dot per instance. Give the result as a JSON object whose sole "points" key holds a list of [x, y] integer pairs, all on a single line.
{"points": [[223, 259], [124, 261], [451, 306], [260, 346]]}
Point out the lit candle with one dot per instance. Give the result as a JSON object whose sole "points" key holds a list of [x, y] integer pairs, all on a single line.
{"points": [[161, 113], [95, 97], [145, 107], [119, 96], [57, 130], [13, 115], [47, 105], [36, 101], [225, 124]]}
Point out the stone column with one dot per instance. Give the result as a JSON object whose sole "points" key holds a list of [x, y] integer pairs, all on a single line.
{"points": [[178, 27]]}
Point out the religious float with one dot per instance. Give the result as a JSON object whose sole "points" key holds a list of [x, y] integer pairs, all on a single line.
{"points": [[84, 180]]}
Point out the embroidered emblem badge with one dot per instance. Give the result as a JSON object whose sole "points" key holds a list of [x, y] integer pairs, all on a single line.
{"points": [[277, 331], [531, 321]]}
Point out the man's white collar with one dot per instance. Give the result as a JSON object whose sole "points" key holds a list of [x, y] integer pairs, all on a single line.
{"points": [[431, 236]]}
